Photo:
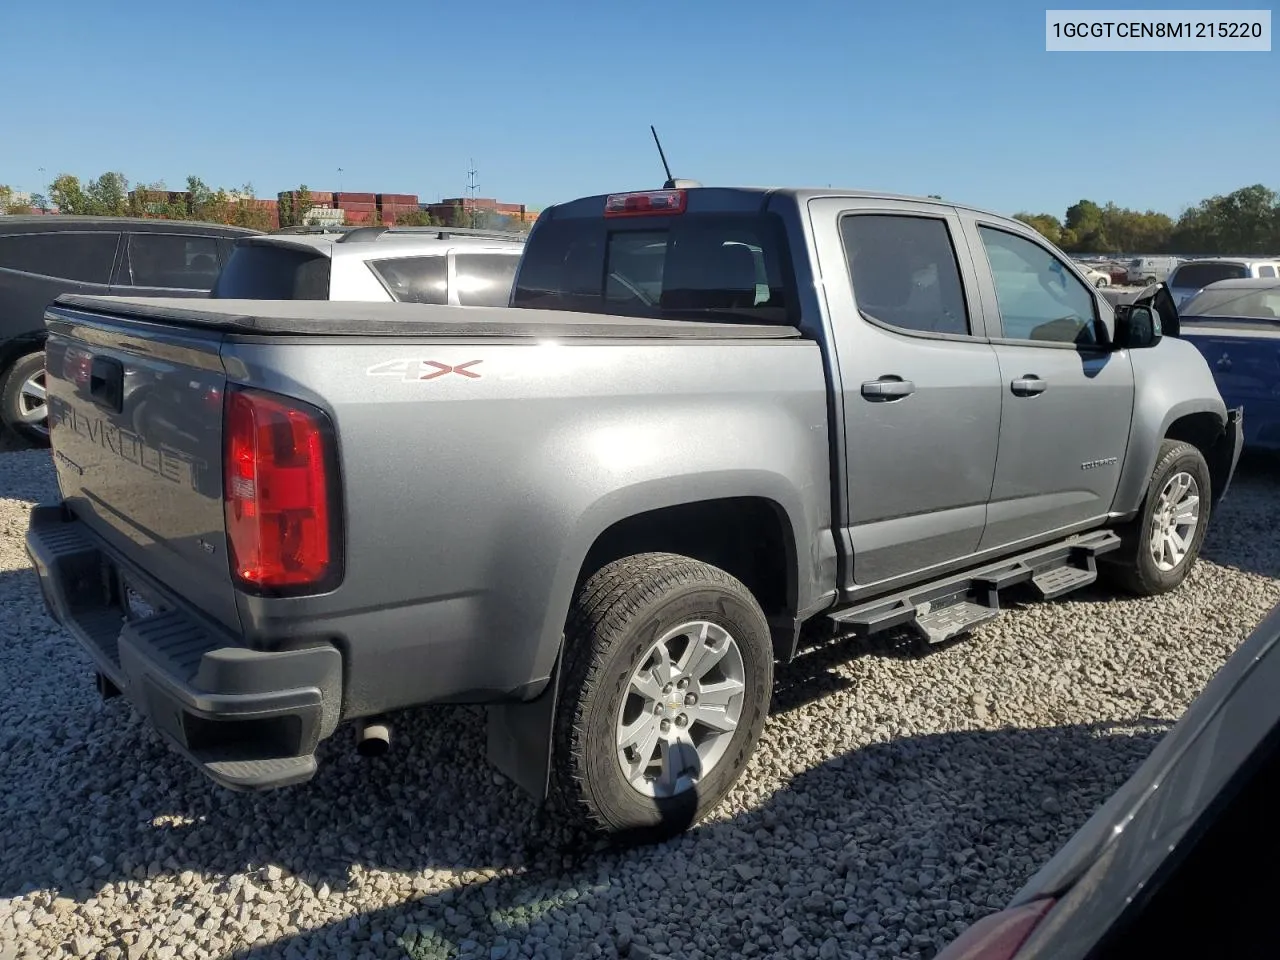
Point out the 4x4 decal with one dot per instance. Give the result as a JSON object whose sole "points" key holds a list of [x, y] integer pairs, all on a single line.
{"points": [[410, 371]]}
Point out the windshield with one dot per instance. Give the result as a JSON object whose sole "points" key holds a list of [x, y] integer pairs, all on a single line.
{"points": [[700, 266], [260, 271], [1193, 276], [1256, 304]]}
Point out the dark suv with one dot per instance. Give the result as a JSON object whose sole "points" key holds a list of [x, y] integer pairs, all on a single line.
{"points": [[44, 256]]}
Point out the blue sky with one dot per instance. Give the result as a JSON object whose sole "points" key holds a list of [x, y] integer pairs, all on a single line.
{"points": [[553, 100]]}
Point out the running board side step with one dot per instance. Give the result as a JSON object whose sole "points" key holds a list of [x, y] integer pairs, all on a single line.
{"points": [[947, 608]]}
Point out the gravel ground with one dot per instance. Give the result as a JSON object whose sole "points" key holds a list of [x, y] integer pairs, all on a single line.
{"points": [[896, 797]]}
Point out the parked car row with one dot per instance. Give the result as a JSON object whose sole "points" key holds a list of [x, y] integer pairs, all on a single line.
{"points": [[44, 257]]}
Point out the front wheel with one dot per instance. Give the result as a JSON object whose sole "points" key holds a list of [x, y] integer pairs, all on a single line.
{"points": [[1161, 544], [668, 675]]}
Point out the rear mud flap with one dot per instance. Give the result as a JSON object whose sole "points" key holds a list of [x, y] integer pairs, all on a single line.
{"points": [[1225, 455], [520, 738]]}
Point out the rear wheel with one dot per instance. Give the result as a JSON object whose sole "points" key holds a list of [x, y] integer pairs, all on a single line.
{"points": [[668, 674], [1161, 544], [23, 407]]}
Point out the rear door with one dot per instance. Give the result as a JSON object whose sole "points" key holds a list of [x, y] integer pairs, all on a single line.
{"points": [[1066, 396], [167, 265], [921, 383]]}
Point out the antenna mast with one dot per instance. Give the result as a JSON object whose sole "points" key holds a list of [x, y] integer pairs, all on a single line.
{"points": [[473, 189], [665, 166]]}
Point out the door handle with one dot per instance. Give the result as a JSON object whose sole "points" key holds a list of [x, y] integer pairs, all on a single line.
{"points": [[1028, 386], [888, 388]]}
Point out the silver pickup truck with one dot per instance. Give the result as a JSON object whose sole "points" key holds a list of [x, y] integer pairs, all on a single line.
{"points": [[713, 425]]}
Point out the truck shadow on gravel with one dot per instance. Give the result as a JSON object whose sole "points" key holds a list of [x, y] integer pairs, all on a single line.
{"points": [[897, 846], [909, 840]]}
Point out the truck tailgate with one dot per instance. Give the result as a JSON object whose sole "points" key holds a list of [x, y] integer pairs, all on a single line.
{"points": [[135, 415]]}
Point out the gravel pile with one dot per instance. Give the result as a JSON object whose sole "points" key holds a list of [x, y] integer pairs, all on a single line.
{"points": [[897, 796]]}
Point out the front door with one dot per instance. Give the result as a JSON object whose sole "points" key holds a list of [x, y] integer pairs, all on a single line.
{"points": [[921, 387], [1066, 396]]}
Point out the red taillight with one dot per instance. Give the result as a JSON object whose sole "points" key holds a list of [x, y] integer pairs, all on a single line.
{"points": [[279, 493], [648, 202], [998, 936]]}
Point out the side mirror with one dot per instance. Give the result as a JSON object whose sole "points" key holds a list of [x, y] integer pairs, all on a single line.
{"points": [[1137, 327]]}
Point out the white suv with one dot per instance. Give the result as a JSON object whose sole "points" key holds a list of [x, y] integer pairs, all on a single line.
{"points": [[441, 265]]}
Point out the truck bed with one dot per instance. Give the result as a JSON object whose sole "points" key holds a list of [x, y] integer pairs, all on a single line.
{"points": [[339, 318]]}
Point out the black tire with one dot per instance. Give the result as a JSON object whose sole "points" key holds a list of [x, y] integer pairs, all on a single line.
{"points": [[616, 618], [1133, 567], [11, 403]]}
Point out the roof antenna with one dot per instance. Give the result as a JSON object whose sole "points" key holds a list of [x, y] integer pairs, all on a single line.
{"points": [[672, 183]]}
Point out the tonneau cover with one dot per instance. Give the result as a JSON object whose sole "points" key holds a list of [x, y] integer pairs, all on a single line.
{"points": [[350, 318]]}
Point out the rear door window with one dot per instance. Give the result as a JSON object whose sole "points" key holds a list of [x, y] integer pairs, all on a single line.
{"points": [[83, 257], [273, 272], [730, 267], [1266, 271], [414, 279], [172, 260], [904, 272], [484, 279]]}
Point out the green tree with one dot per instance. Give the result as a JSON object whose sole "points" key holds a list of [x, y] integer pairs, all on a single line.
{"points": [[68, 195], [416, 218], [199, 199], [1046, 224], [1087, 235], [294, 206], [1240, 222], [108, 195]]}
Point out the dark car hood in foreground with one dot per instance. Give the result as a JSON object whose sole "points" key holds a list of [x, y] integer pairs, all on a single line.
{"points": [[1154, 814]]}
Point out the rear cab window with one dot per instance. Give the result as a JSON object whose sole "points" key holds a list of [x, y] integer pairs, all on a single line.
{"points": [[711, 266], [269, 271], [84, 257]]}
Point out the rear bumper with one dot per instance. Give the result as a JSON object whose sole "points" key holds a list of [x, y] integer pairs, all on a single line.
{"points": [[249, 719]]}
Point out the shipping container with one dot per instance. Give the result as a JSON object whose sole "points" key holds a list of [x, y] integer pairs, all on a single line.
{"points": [[363, 207], [397, 198], [356, 197]]}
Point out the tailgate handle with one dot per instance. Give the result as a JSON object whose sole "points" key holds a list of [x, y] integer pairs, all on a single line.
{"points": [[106, 384]]}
